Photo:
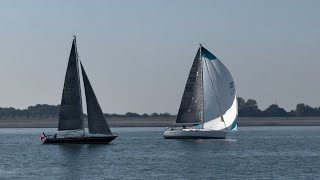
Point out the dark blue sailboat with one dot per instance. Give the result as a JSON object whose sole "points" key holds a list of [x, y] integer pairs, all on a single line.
{"points": [[71, 121]]}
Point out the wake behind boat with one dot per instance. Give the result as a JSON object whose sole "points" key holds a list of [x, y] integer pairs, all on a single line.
{"points": [[71, 121], [209, 101]]}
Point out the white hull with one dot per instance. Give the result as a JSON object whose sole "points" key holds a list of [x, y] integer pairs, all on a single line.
{"points": [[194, 134]]}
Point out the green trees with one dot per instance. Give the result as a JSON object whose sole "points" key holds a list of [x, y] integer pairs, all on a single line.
{"points": [[247, 108], [38, 111], [305, 110], [274, 111], [52, 111], [250, 108]]}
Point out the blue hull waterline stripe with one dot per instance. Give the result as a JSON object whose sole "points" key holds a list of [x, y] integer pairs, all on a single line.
{"points": [[197, 126], [234, 125]]}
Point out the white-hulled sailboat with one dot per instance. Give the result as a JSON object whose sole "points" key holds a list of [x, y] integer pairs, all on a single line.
{"points": [[209, 102]]}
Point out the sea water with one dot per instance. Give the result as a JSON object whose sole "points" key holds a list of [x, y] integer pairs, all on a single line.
{"points": [[142, 153]]}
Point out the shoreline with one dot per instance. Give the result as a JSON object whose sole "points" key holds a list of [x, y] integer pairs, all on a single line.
{"points": [[161, 122]]}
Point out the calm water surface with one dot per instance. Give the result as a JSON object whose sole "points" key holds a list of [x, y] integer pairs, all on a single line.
{"points": [[142, 153]]}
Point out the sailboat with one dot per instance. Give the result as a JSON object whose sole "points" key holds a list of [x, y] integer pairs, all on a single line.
{"points": [[209, 102], [71, 120]]}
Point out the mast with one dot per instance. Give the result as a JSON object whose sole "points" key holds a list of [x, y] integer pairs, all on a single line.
{"points": [[202, 113], [77, 56]]}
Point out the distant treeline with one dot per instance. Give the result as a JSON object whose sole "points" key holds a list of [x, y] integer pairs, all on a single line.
{"points": [[250, 108], [247, 108], [52, 111]]}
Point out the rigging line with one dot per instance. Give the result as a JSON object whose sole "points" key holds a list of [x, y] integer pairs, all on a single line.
{"points": [[78, 59], [199, 75], [202, 93], [215, 95]]}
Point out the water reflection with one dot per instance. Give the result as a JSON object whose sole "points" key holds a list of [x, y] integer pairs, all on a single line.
{"points": [[70, 160]]}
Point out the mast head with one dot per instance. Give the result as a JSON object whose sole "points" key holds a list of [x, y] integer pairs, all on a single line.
{"points": [[74, 37]]}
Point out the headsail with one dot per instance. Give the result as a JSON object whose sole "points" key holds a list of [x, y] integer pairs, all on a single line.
{"points": [[70, 117], [220, 101], [96, 121], [191, 106]]}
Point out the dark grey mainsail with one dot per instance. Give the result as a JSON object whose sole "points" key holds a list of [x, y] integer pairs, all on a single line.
{"points": [[191, 106], [70, 117], [96, 121]]}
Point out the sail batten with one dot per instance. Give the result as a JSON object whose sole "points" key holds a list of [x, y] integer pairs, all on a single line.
{"points": [[70, 117], [96, 121]]}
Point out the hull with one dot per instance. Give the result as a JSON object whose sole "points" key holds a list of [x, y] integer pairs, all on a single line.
{"points": [[194, 134], [80, 140]]}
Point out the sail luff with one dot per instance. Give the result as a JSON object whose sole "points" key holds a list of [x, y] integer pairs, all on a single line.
{"points": [[202, 92], [78, 71], [96, 121], [70, 117]]}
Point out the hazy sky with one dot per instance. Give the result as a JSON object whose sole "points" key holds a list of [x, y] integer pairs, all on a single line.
{"points": [[138, 54]]}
